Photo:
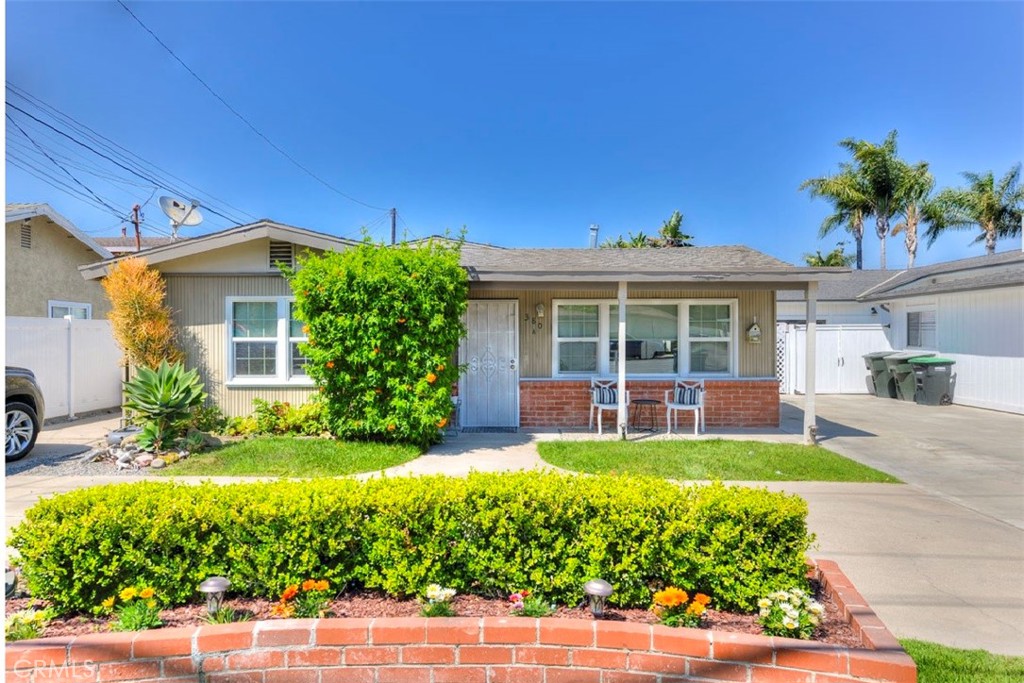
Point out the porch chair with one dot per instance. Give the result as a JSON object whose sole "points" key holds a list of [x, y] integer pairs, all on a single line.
{"points": [[687, 394], [604, 395]]}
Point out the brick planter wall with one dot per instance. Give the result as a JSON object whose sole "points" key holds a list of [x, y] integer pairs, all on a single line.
{"points": [[728, 403], [469, 650]]}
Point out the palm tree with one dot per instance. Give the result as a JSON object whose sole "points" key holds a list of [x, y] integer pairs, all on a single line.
{"points": [[836, 257], [914, 205], [994, 207], [881, 173], [672, 234], [847, 193]]}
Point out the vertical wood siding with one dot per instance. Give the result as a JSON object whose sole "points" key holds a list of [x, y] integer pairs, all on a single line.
{"points": [[197, 303], [755, 360]]}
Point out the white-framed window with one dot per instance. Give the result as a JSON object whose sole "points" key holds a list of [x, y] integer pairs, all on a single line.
{"points": [[62, 309], [263, 342], [664, 337], [921, 328]]}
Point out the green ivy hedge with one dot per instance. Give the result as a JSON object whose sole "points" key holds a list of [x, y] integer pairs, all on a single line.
{"points": [[486, 534]]}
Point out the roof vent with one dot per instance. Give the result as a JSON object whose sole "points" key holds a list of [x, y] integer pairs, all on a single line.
{"points": [[282, 253], [26, 235]]}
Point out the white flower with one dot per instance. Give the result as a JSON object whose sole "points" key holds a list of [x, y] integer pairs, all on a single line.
{"points": [[446, 594], [815, 608], [797, 592], [433, 591], [813, 619], [764, 611], [764, 603], [788, 623]]}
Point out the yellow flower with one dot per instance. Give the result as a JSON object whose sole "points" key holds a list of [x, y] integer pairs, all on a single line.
{"points": [[431, 378], [146, 593], [702, 599], [151, 604], [108, 603], [671, 597], [696, 608], [128, 594], [322, 585]]}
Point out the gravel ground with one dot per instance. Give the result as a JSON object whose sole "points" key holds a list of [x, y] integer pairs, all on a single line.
{"points": [[52, 463]]}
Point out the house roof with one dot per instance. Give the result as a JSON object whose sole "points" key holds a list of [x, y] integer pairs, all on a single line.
{"points": [[20, 212], [124, 243], [685, 264], [262, 229], [1005, 269], [846, 288]]}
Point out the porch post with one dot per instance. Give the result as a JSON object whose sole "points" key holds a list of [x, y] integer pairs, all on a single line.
{"points": [[621, 357], [810, 358]]}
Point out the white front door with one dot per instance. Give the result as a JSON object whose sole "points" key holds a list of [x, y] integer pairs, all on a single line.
{"points": [[490, 383]]}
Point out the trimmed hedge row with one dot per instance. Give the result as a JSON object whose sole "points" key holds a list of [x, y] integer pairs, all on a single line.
{"points": [[485, 534]]}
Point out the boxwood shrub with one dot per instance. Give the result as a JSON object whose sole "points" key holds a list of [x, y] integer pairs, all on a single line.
{"points": [[484, 534]]}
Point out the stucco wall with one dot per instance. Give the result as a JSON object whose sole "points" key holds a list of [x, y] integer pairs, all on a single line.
{"points": [[48, 270]]}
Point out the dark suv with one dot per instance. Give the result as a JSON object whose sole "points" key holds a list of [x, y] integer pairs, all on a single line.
{"points": [[25, 413]]}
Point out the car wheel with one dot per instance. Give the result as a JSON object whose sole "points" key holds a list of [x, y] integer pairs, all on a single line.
{"points": [[22, 430]]}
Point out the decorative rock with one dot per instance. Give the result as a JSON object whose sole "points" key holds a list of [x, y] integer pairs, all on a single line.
{"points": [[118, 436], [158, 463], [143, 460], [170, 458], [124, 457], [130, 446], [94, 455], [126, 465], [183, 454]]}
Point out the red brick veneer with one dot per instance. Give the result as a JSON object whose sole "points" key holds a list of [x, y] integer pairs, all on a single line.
{"points": [[469, 650], [729, 403]]}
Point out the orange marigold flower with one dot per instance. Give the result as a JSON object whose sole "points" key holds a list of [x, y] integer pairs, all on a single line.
{"points": [[702, 599], [401, 320], [330, 364], [378, 390], [671, 597], [431, 378], [305, 329], [308, 585], [440, 367], [696, 608], [376, 350], [391, 428], [146, 593], [322, 585], [282, 609], [289, 593], [442, 422]]}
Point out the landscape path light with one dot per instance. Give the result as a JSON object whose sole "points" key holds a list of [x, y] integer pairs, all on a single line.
{"points": [[597, 591], [214, 588]]}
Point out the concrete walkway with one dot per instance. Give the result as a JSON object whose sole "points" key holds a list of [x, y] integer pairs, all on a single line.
{"points": [[939, 558]]}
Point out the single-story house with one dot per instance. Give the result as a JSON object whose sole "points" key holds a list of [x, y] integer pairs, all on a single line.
{"points": [[44, 252], [837, 301], [970, 310], [541, 323]]}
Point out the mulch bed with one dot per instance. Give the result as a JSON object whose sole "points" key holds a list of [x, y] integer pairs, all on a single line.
{"points": [[833, 628]]}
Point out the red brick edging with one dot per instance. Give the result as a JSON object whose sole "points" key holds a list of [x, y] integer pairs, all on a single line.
{"points": [[467, 650]]}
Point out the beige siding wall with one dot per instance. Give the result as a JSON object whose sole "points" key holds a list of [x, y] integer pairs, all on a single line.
{"points": [[48, 270], [247, 257], [198, 303], [755, 360]]}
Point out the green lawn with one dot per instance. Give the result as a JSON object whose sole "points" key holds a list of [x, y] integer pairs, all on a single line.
{"points": [[709, 459], [292, 457], [940, 664]]}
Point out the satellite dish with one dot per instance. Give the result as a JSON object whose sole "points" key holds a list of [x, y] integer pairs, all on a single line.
{"points": [[180, 213]]}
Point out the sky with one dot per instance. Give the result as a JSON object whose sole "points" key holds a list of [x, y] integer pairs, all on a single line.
{"points": [[525, 123]]}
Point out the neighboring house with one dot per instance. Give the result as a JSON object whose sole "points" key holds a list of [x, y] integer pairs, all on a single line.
{"points": [[972, 311], [44, 252], [540, 324], [837, 300], [119, 246]]}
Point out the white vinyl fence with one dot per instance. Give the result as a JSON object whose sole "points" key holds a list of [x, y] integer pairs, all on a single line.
{"points": [[76, 362], [839, 367]]}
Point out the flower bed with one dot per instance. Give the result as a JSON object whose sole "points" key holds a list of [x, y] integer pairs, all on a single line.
{"points": [[470, 649]]}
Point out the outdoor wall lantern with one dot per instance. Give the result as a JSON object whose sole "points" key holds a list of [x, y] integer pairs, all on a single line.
{"points": [[597, 591], [214, 589], [537, 320]]}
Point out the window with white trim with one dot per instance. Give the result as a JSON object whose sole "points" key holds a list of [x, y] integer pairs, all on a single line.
{"points": [[263, 341], [921, 329], [675, 337], [63, 309]]}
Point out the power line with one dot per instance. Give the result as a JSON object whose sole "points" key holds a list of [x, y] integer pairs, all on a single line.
{"points": [[105, 156], [58, 164], [242, 118]]}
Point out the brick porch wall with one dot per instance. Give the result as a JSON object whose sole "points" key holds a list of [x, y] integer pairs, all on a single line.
{"points": [[728, 403]]}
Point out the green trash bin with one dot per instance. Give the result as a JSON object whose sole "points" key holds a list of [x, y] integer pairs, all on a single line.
{"points": [[934, 379], [874, 363], [905, 381], [887, 384]]}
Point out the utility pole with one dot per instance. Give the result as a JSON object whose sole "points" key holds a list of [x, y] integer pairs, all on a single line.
{"points": [[394, 216], [138, 235]]}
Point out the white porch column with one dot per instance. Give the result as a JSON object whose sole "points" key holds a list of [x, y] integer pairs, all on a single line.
{"points": [[621, 358], [810, 358]]}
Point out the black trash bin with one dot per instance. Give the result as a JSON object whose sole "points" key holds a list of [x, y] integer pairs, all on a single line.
{"points": [[889, 380], [934, 379], [874, 363]]}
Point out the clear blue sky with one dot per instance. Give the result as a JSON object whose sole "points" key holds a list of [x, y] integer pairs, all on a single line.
{"points": [[526, 122]]}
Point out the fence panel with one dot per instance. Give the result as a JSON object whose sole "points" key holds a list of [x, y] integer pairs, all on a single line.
{"points": [[76, 362], [839, 366]]}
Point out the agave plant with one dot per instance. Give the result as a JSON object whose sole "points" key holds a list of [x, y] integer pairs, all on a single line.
{"points": [[164, 397]]}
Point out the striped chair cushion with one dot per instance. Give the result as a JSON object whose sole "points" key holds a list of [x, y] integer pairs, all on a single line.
{"points": [[688, 396], [606, 395]]}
